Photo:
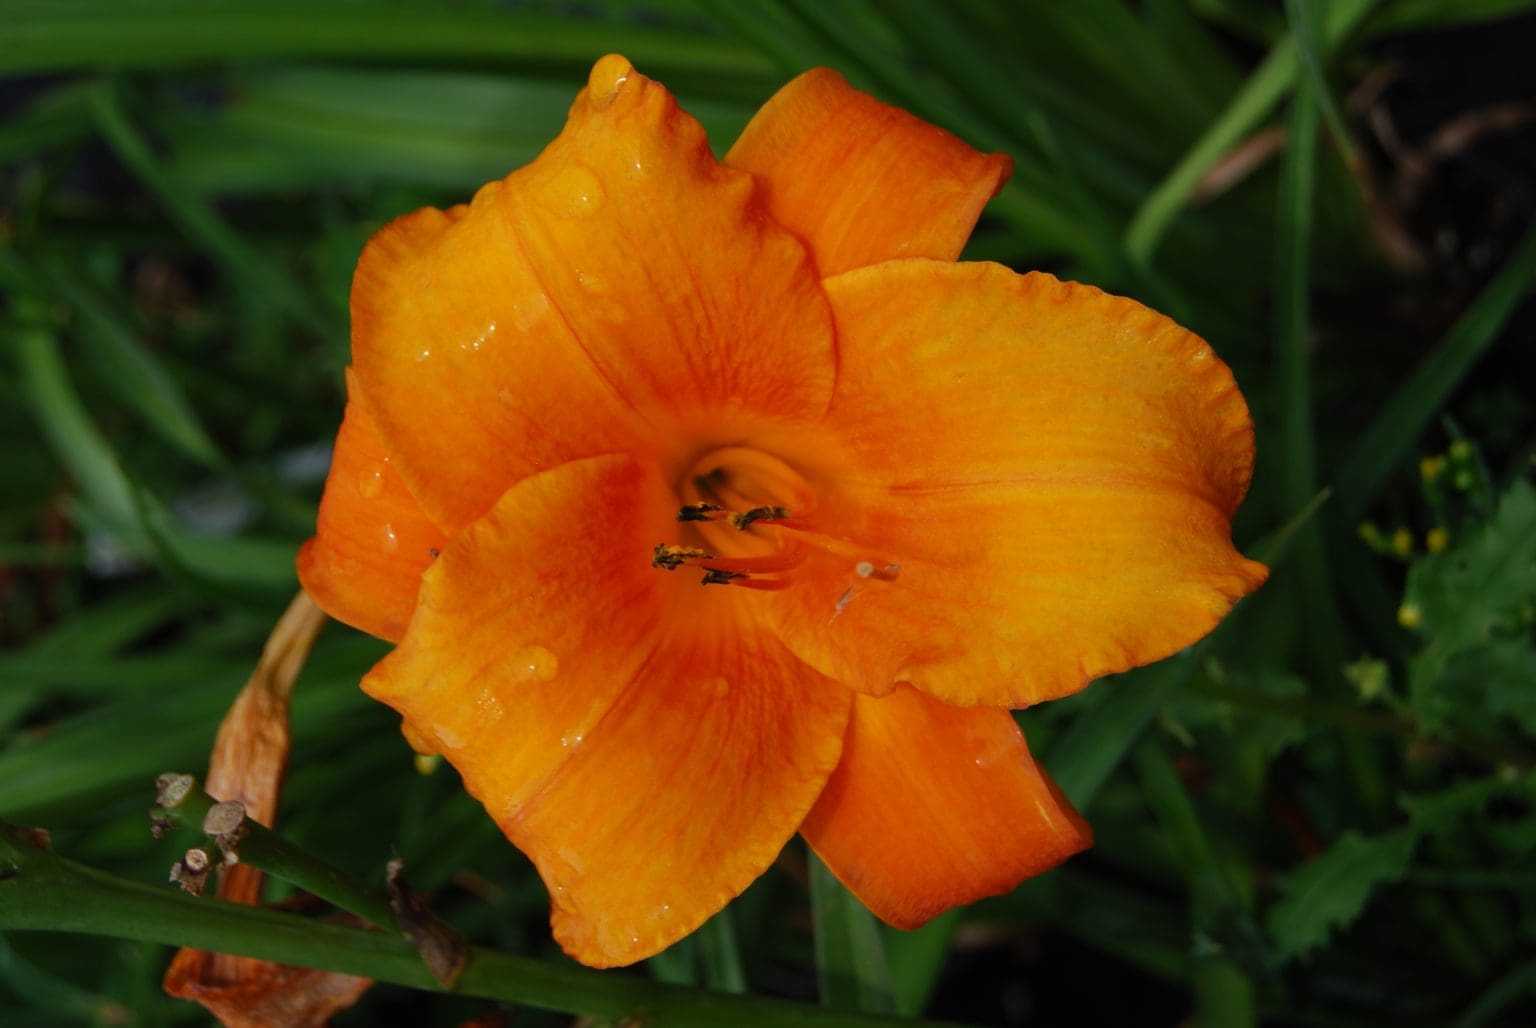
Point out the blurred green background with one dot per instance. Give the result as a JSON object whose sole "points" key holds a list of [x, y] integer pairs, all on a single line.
{"points": [[1322, 815]]}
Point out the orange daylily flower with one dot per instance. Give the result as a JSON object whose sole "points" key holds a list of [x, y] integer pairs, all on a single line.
{"points": [[919, 493]]}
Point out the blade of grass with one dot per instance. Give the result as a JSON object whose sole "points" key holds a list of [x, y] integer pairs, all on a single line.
{"points": [[1224, 994], [64, 35], [1096, 744], [1302, 16], [916, 960], [1518, 984], [238, 259], [42, 891], [1293, 238], [1394, 432], [136, 377], [1325, 653], [1422, 15], [69, 430], [721, 955], [850, 960], [1253, 102]]}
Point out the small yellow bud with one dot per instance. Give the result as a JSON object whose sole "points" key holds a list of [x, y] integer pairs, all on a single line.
{"points": [[1436, 540], [1369, 533], [1409, 616], [1431, 467], [427, 763], [1460, 450], [1402, 542]]}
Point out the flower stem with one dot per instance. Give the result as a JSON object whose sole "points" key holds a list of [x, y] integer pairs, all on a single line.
{"points": [[264, 849], [40, 890]]}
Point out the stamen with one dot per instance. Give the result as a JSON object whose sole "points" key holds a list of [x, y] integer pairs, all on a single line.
{"points": [[701, 512], [714, 577], [670, 557], [771, 584], [780, 560], [766, 514]]}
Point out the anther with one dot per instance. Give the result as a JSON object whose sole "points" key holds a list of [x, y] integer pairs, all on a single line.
{"points": [[714, 577], [746, 520], [700, 512], [671, 557]]}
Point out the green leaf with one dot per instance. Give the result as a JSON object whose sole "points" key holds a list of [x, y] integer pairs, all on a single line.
{"points": [[850, 961], [74, 437], [1479, 592], [1433, 14], [1258, 96], [1445, 811], [131, 372], [1331, 890], [916, 959], [57, 35]]}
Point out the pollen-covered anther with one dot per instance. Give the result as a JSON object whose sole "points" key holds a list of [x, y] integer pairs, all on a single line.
{"points": [[669, 558], [702, 512], [768, 515]]}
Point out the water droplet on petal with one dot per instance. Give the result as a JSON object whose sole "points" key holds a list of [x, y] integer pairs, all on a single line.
{"points": [[573, 192], [571, 740], [371, 483], [529, 309], [607, 80], [535, 664], [473, 344], [391, 541]]}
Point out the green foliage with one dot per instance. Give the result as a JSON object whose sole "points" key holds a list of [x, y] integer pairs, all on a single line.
{"points": [[1474, 604], [1323, 813], [1331, 890]]}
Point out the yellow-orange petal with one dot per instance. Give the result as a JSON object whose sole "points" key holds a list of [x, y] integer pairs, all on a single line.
{"points": [[373, 540], [862, 181], [933, 806], [625, 292], [1053, 469], [639, 737]]}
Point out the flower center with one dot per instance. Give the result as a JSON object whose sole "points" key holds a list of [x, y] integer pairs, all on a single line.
{"points": [[750, 521]]}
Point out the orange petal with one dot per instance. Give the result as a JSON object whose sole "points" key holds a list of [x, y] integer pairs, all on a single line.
{"points": [[1053, 469], [634, 733], [933, 806], [373, 541], [623, 293], [862, 181]]}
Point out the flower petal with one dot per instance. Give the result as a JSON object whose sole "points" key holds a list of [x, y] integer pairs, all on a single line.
{"points": [[1053, 469], [933, 806], [863, 181], [625, 292], [636, 735], [373, 541]]}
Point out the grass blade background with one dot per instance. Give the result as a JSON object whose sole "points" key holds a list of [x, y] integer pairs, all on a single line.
{"points": [[184, 188]]}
